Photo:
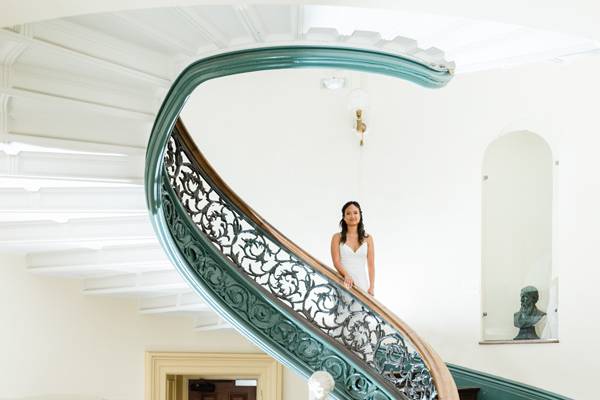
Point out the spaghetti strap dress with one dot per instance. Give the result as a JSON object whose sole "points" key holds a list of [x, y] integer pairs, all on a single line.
{"points": [[355, 262]]}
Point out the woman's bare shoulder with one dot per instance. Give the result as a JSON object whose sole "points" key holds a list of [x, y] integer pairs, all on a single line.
{"points": [[336, 236], [369, 237]]}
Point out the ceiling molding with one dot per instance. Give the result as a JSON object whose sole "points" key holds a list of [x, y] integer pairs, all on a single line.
{"points": [[251, 22], [153, 79], [97, 168], [76, 37], [297, 21], [214, 326], [74, 200], [32, 235], [73, 145], [118, 260], [206, 29], [147, 283], [181, 302], [37, 78], [156, 35], [116, 111]]}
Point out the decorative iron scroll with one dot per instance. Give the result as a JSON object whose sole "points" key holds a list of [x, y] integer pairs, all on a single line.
{"points": [[284, 333], [325, 304]]}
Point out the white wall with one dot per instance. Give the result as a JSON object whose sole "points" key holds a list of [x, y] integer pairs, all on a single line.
{"points": [[59, 344], [286, 147]]}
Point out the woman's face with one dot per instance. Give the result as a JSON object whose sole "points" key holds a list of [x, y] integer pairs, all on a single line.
{"points": [[352, 215]]}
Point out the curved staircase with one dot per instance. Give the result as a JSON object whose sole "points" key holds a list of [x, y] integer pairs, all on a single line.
{"points": [[78, 97]]}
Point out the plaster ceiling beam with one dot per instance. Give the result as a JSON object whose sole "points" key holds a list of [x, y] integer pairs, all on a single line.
{"points": [[251, 22], [8, 57], [74, 145], [108, 109], [119, 260], [156, 34], [98, 90], [76, 232], [135, 284], [73, 200], [4, 118], [206, 29], [102, 45], [182, 302], [297, 21], [110, 65], [215, 326], [72, 166]]}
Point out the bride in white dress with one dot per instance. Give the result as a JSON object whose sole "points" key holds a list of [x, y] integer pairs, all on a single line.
{"points": [[352, 250]]}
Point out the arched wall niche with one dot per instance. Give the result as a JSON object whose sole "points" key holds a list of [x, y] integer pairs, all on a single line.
{"points": [[518, 230]]}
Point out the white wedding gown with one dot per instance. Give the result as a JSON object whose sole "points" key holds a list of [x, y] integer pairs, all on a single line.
{"points": [[356, 264]]}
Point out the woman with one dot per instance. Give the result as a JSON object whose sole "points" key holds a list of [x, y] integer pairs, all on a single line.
{"points": [[352, 248]]}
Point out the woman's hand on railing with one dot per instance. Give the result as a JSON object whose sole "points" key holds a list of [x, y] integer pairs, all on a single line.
{"points": [[348, 282], [371, 291]]}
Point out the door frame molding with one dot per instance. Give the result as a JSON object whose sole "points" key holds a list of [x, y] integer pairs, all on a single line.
{"points": [[267, 371]]}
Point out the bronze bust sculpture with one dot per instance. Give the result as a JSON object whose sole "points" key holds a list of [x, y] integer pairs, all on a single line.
{"points": [[529, 315]]}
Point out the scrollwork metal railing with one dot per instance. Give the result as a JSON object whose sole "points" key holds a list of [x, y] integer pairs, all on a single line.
{"points": [[292, 305]]}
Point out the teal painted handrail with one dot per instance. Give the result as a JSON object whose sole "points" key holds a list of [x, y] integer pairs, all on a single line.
{"points": [[258, 309], [495, 388]]}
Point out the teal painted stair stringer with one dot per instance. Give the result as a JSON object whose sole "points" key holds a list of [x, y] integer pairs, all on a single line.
{"points": [[496, 388]]}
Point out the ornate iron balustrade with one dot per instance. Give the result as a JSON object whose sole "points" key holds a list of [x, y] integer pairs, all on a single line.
{"points": [[291, 305]]}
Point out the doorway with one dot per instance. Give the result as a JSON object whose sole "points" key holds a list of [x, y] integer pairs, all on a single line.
{"points": [[167, 374]]}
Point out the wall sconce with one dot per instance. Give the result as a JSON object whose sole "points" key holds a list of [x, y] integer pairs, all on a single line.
{"points": [[358, 102]]}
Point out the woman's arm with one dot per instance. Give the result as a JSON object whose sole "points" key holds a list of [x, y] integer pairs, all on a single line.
{"points": [[371, 264], [335, 257]]}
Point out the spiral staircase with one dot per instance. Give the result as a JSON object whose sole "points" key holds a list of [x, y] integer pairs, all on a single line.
{"points": [[79, 97]]}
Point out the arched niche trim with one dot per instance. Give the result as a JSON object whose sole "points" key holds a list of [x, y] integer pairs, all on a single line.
{"points": [[517, 234]]}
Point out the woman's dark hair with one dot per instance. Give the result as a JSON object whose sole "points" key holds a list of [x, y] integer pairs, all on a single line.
{"points": [[344, 226]]}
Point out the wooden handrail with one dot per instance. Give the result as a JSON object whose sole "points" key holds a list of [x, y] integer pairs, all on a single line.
{"points": [[444, 383]]}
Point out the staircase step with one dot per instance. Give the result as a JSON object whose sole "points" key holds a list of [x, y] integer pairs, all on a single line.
{"points": [[87, 263], [146, 284], [72, 201], [93, 232], [71, 166]]}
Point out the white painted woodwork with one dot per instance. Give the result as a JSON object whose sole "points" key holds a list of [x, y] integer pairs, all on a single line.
{"points": [[213, 326], [83, 58], [88, 262], [73, 200], [204, 26], [102, 108], [178, 303], [41, 79], [58, 144], [155, 34], [92, 232], [93, 167], [364, 38], [143, 284], [296, 21], [103, 45], [250, 21], [82, 124]]}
